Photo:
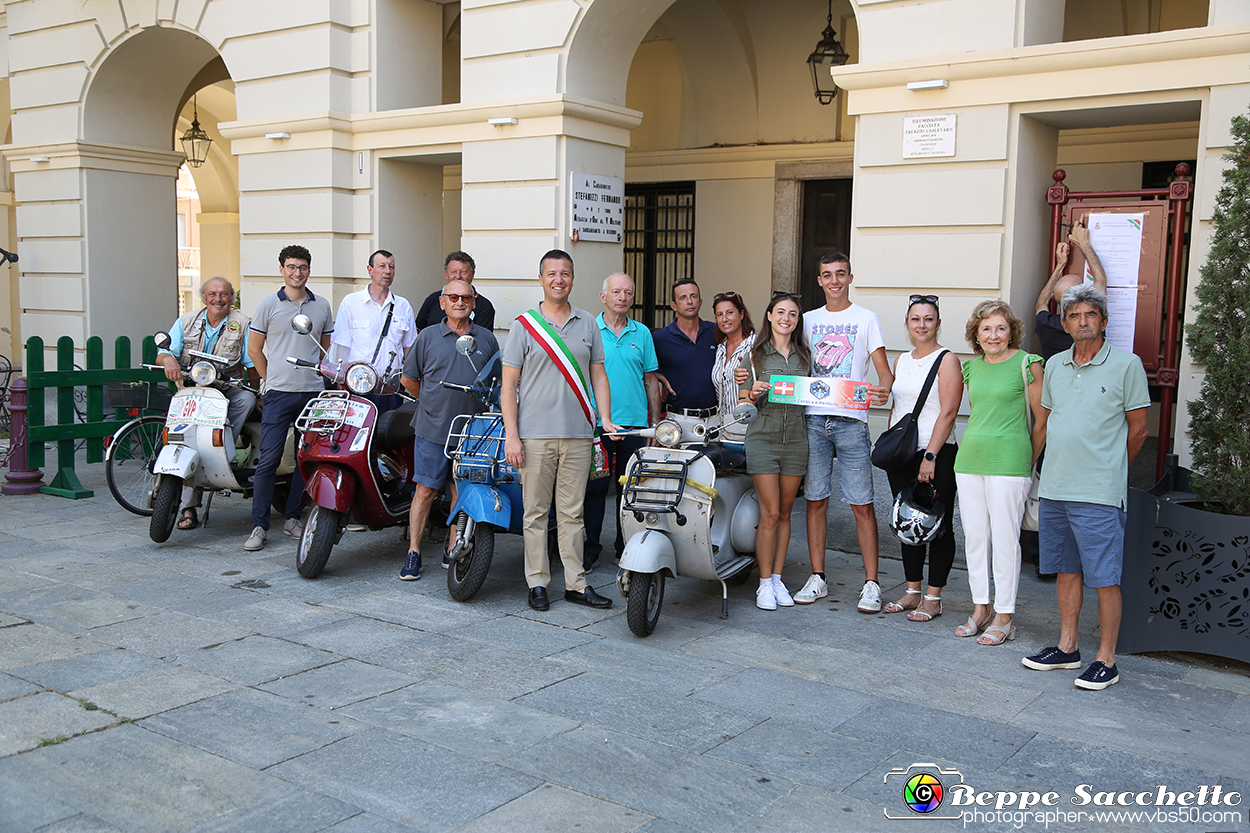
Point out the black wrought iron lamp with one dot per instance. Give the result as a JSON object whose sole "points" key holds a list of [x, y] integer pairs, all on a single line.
{"points": [[828, 54], [195, 142]]}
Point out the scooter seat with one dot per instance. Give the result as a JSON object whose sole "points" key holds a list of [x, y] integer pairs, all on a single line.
{"points": [[395, 427], [723, 457]]}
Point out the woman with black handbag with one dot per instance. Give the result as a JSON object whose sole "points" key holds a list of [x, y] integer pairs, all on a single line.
{"points": [[933, 457]]}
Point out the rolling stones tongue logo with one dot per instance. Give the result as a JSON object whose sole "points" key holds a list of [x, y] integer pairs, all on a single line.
{"points": [[832, 351]]}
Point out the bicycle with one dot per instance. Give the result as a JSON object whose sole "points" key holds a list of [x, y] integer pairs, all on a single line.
{"points": [[133, 449]]}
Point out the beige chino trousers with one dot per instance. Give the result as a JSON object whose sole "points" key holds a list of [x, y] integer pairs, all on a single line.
{"points": [[558, 468]]}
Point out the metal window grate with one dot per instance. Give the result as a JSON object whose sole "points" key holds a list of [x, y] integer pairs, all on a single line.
{"points": [[659, 245]]}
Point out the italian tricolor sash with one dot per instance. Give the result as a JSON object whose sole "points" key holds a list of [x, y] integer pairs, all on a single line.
{"points": [[550, 341]]}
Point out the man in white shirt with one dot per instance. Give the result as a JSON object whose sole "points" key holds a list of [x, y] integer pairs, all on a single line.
{"points": [[376, 326], [845, 338]]}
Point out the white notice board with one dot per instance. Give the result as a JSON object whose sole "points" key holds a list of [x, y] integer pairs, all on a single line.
{"points": [[925, 136], [598, 208]]}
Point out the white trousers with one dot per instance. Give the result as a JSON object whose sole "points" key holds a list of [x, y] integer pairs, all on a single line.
{"points": [[991, 508]]}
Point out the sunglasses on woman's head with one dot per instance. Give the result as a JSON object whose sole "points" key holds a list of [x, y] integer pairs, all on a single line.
{"points": [[924, 299], [724, 296]]}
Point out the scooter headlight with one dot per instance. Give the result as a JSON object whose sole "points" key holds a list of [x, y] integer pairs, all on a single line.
{"points": [[667, 433], [203, 373], [361, 379]]}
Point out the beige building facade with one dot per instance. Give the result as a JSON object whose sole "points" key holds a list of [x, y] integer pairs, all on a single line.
{"points": [[422, 127]]}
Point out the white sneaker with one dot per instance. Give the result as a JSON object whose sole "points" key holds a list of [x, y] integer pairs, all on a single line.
{"points": [[781, 593], [870, 597], [765, 598], [256, 540], [813, 590]]}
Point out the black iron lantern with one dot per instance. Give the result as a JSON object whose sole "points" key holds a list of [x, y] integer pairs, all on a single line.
{"points": [[195, 142], [828, 54]]}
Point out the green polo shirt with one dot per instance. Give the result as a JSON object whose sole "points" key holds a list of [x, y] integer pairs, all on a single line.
{"points": [[1087, 432]]}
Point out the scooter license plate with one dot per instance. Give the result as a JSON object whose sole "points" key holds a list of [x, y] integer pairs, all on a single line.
{"points": [[198, 406]]}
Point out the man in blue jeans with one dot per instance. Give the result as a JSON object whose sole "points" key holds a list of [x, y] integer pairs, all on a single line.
{"points": [[845, 338], [285, 388]]}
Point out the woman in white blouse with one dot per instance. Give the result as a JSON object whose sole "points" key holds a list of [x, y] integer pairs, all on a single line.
{"points": [[735, 336]]}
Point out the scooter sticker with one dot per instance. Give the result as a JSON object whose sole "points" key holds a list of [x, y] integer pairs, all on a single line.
{"points": [[198, 406], [356, 413], [361, 440]]}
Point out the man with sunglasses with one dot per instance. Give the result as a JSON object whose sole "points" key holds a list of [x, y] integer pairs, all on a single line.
{"points": [[434, 358], [285, 388], [845, 338]]}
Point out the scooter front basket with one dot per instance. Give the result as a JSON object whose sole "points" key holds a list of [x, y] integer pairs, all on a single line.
{"points": [[325, 414], [654, 485]]}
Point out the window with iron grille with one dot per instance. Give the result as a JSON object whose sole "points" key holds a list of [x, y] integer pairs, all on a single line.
{"points": [[659, 245]]}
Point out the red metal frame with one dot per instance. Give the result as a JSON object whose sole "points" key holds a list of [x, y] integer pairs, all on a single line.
{"points": [[1178, 194]]}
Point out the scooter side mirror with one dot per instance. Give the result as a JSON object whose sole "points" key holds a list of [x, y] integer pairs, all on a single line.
{"points": [[162, 340], [745, 413], [302, 324], [466, 345]]}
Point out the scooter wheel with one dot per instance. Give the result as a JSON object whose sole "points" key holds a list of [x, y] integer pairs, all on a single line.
{"points": [[320, 529], [466, 574], [646, 595], [165, 508]]}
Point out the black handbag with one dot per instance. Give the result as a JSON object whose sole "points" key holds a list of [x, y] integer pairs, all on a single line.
{"points": [[896, 446]]}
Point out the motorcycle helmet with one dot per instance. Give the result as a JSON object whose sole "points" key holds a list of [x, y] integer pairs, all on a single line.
{"points": [[916, 517]]}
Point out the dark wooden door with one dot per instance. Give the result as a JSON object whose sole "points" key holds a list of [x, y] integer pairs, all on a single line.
{"points": [[826, 228]]}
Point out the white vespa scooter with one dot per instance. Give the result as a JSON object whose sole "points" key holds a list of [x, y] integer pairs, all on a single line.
{"points": [[687, 509], [199, 448]]}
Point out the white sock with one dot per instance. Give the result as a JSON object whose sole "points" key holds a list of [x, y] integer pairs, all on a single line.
{"points": [[777, 578], [764, 582]]}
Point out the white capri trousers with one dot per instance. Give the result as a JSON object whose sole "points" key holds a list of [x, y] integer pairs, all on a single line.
{"points": [[992, 508]]}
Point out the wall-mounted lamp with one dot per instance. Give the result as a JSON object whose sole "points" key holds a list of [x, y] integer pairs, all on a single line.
{"points": [[40, 159], [827, 55], [195, 142], [935, 84], [501, 122], [277, 135]]}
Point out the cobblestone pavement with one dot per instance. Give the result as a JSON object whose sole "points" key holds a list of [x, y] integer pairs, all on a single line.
{"points": [[194, 686]]}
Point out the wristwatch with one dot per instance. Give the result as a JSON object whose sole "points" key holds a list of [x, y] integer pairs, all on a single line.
{"points": [[930, 456]]}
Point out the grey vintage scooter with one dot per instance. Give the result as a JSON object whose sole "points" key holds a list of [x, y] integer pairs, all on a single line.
{"points": [[688, 508]]}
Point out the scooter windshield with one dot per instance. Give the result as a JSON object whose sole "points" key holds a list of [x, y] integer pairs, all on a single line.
{"points": [[334, 365]]}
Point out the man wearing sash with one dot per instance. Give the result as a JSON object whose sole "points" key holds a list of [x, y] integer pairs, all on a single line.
{"points": [[554, 354]]}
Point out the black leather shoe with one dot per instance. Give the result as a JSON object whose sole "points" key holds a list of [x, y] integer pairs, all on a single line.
{"points": [[538, 598], [590, 598]]}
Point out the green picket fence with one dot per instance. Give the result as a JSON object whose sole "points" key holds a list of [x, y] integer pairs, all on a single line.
{"points": [[62, 382]]}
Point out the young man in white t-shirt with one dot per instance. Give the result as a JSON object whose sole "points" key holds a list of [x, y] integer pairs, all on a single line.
{"points": [[844, 338]]}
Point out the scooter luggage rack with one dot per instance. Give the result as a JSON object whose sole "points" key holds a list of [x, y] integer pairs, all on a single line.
{"points": [[325, 414], [653, 497]]}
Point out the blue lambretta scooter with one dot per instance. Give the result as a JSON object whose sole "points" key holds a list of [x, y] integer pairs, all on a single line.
{"points": [[488, 489]]}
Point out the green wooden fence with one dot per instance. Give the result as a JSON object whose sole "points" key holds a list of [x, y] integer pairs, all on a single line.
{"points": [[62, 382]]}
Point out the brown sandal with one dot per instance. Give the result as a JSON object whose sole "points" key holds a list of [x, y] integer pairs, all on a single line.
{"points": [[189, 519]]}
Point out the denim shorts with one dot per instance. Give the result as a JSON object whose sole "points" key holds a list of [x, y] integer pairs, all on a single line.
{"points": [[846, 438], [432, 467], [1084, 538]]}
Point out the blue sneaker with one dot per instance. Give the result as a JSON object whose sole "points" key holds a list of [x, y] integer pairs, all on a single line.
{"points": [[1052, 659], [412, 567], [1097, 677]]}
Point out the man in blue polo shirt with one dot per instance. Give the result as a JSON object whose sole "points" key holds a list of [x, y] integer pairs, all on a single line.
{"points": [[686, 350], [1094, 404], [630, 362]]}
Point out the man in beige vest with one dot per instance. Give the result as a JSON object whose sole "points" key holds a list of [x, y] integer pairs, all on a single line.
{"points": [[219, 329]]}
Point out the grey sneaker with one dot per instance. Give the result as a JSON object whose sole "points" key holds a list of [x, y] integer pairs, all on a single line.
{"points": [[256, 540], [813, 590], [870, 598], [293, 527]]}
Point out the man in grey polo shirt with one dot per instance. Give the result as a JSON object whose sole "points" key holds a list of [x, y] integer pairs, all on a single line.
{"points": [[1094, 403], [549, 431], [434, 357], [285, 387]]}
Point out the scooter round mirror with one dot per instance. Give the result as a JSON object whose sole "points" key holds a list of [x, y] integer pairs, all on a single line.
{"points": [[466, 344], [745, 413], [162, 340], [301, 324]]}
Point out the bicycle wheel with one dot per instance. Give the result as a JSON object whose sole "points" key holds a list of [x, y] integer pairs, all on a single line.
{"points": [[128, 463]]}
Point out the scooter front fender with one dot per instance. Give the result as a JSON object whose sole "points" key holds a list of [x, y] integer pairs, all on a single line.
{"points": [[484, 504], [177, 460], [649, 551], [332, 487]]}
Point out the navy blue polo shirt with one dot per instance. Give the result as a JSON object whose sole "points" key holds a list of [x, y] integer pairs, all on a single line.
{"points": [[688, 365]]}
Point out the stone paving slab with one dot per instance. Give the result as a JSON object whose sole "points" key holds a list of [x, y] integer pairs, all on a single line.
{"points": [[795, 699], [23, 809], [12, 688], [695, 790], [67, 675], [153, 692], [348, 634], [26, 721], [338, 684], [293, 813], [166, 633], [279, 617], [476, 666], [256, 659], [406, 780], [23, 645], [422, 613], [253, 727], [524, 637], [551, 808], [478, 725], [640, 663]]}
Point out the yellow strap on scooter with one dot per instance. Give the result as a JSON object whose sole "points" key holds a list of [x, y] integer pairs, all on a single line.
{"points": [[694, 484]]}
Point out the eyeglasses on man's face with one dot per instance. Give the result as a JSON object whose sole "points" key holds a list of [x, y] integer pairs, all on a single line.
{"points": [[296, 268], [455, 298]]}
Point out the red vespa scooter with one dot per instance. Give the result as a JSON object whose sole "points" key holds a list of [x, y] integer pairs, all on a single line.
{"points": [[357, 464]]}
